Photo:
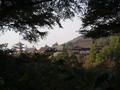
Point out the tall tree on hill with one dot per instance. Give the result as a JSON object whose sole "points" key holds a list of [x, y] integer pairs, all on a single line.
{"points": [[101, 18], [26, 16]]}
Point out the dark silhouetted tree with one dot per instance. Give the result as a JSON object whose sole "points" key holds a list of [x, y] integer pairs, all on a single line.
{"points": [[26, 16], [101, 18]]}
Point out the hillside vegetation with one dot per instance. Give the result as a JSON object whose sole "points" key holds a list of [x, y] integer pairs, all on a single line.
{"points": [[100, 71]]}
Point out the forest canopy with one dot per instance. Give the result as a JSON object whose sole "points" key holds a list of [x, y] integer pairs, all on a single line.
{"points": [[25, 16], [101, 18]]}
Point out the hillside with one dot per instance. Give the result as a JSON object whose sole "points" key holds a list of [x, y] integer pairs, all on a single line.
{"points": [[80, 41], [86, 42]]}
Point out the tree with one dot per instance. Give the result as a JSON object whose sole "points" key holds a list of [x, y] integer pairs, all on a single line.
{"points": [[101, 18], [112, 51], [91, 59], [93, 52], [26, 16], [3, 46], [109, 52], [19, 46]]}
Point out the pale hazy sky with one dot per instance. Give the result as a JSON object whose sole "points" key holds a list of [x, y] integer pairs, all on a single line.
{"points": [[60, 35]]}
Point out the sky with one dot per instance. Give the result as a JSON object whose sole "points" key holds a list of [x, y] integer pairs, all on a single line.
{"points": [[59, 35]]}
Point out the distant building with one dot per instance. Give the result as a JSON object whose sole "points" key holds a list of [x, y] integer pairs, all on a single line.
{"points": [[18, 47], [45, 49], [80, 47], [30, 50], [42, 50], [79, 50]]}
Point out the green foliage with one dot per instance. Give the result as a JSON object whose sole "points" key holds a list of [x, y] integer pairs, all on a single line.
{"points": [[99, 58], [1, 82], [36, 72], [112, 51], [115, 47], [91, 59], [61, 56], [93, 52]]}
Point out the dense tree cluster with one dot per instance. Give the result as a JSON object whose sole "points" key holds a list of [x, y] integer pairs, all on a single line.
{"points": [[26, 72]]}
